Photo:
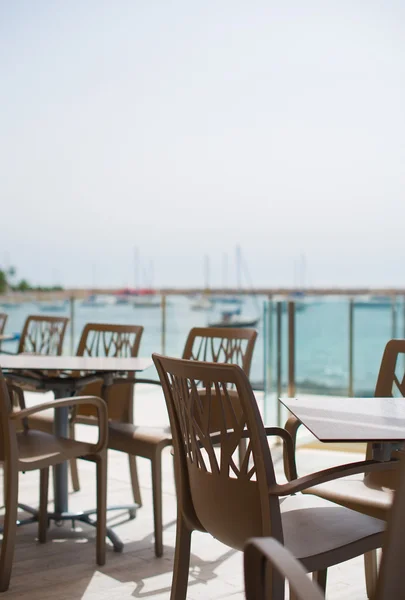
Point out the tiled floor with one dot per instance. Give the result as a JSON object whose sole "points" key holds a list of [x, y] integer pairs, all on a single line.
{"points": [[65, 567]]}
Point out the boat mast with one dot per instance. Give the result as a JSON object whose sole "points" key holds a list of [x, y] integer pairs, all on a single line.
{"points": [[225, 270], [303, 271], [206, 273], [136, 268], [238, 260]]}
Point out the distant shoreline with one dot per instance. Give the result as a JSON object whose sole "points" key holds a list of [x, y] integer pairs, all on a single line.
{"points": [[80, 293]]}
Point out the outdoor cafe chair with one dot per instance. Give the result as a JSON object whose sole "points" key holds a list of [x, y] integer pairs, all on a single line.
{"points": [[216, 344], [370, 494], [41, 334], [23, 449], [100, 339], [234, 503], [263, 557], [203, 343]]}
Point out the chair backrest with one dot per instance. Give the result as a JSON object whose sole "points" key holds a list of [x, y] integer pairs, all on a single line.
{"points": [[101, 339], [391, 376], [390, 382], [3, 321], [221, 345], [43, 335], [213, 492]]}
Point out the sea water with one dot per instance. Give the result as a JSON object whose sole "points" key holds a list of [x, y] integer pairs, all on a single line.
{"points": [[322, 337]]}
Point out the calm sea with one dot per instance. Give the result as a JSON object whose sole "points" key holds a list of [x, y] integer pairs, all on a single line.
{"points": [[322, 332]]}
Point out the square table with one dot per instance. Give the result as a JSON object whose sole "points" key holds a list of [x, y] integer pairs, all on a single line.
{"points": [[64, 376], [377, 420]]}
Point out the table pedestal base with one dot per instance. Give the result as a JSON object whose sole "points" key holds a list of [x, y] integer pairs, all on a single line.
{"points": [[82, 517]]}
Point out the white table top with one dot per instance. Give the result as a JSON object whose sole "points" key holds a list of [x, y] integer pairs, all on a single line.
{"points": [[38, 362], [351, 419]]}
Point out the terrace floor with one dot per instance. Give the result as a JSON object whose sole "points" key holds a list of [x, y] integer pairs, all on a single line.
{"points": [[65, 567]]}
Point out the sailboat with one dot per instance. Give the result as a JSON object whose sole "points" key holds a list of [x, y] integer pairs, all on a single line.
{"points": [[203, 301], [53, 306], [146, 297], [234, 318]]}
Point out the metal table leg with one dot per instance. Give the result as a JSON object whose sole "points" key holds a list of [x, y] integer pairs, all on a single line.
{"points": [[61, 512], [61, 428]]}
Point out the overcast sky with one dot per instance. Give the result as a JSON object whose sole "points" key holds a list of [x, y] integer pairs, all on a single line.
{"points": [[184, 127]]}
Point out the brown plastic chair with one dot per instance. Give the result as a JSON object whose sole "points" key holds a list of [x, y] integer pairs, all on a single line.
{"points": [[372, 493], [263, 555], [99, 339], [212, 343], [41, 335], [28, 450], [234, 503]]}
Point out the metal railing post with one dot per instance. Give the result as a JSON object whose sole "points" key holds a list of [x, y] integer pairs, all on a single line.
{"points": [[72, 325], [279, 361], [351, 347], [265, 360], [267, 352], [163, 308], [291, 349]]}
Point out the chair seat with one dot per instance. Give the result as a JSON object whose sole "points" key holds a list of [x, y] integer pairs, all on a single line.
{"points": [[36, 447], [316, 530], [140, 441], [358, 494]]}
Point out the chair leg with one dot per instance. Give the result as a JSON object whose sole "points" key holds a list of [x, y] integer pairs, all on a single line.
{"points": [[9, 526], [320, 578], [370, 567], [181, 560], [74, 472], [157, 501], [101, 506], [136, 490], [43, 505]]}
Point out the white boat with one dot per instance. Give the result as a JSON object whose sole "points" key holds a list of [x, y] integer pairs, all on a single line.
{"points": [[98, 301], [49, 306], [201, 303], [227, 299], [231, 319], [374, 302], [146, 302]]}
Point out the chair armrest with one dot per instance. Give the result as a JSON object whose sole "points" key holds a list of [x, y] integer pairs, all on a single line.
{"points": [[290, 468], [302, 483], [258, 551], [98, 403], [292, 425]]}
